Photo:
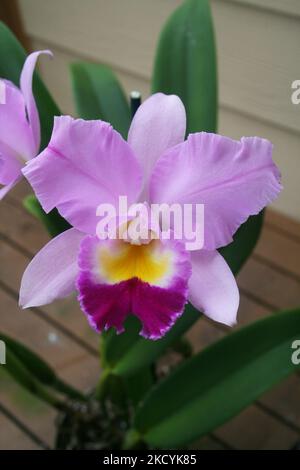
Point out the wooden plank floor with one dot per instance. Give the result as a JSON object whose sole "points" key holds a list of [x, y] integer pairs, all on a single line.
{"points": [[59, 333]]}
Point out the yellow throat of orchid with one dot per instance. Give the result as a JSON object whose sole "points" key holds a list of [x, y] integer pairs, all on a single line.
{"points": [[148, 262]]}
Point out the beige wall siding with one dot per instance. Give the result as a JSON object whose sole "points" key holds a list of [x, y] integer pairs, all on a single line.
{"points": [[259, 57], [286, 7]]}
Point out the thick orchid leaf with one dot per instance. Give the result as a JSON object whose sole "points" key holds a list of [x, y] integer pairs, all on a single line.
{"points": [[54, 222], [216, 384], [98, 95], [185, 64], [114, 346], [244, 241], [12, 58], [23, 377], [139, 385], [31, 371], [128, 353]]}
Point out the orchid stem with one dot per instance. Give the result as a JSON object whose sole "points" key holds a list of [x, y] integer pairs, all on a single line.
{"points": [[101, 385], [135, 102]]}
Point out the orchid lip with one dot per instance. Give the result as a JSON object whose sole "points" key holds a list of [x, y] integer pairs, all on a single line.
{"points": [[118, 278]]}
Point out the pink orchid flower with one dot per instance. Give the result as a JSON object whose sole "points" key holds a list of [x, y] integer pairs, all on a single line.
{"points": [[87, 162], [19, 126]]}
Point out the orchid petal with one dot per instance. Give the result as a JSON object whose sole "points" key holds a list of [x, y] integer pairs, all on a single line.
{"points": [[26, 89], [10, 167], [86, 163], [52, 272], [157, 308], [158, 124], [212, 287], [232, 179], [16, 139]]}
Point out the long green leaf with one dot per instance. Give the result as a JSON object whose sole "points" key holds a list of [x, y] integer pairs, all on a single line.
{"points": [[98, 95], [139, 385], [218, 383], [15, 368], [12, 57], [30, 370], [244, 241], [185, 64]]}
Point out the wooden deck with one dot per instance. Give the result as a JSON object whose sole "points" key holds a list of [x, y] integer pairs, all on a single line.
{"points": [[270, 281]]}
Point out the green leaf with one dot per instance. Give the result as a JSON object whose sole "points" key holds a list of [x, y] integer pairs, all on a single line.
{"points": [[128, 353], [22, 375], [30, 370], [244, 241], [139, 384], [54, 222], [98, 95], [213, 386], [185, 64], [114, 346], [112, 387], [12, 58]]}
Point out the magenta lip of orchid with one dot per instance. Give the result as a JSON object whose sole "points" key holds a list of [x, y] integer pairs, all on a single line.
{"points": [[88, 162], [19, 125]]}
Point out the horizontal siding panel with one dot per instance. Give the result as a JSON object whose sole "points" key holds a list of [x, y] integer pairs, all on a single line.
{"points": [[258, 57], [288, 7], [120, 32], [56, 76], [232, 123], [258, 60]]}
